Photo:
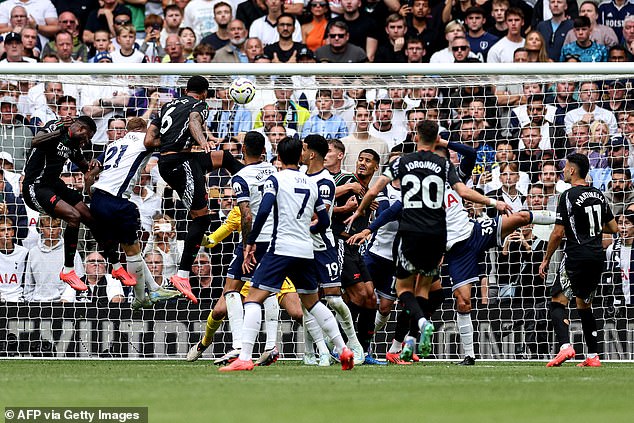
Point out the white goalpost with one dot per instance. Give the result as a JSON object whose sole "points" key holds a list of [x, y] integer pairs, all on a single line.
{"points": [[510, 302]]}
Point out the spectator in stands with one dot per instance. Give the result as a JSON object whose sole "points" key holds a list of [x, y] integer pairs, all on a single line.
{"points": [[618, 53], [363, 31], [489, 180], [173, 20], [40, 13], [109, 15], [422, 25], [116, 128], [31, 43], [271, 117], [255, 50], [222, 15], [41, 281], [234, 52], [102, 287], [101, 45], [12, 263], [127, 52], [620, 193], [285, 49], [63, 44], [589, 110], [502, 51], [542, 116], [583, 47], [408, 145], [146, 200], [151, 46], [461, 50], [556, 28], [509, 192], [14, 49], [199, 15], [452, 29], [18, 19], [15, 137], [203, 282], [383, 126], [250, 10], [154, 261], [314, 31], [617, 154], [578, 138], [600, 34], [361, 139], [48, 111], [204, 53], [414, 50], [498, 26], [340, 50], [325, 123], [564, 101], [615, 99], [163, 241], [68, 22], [466, 132], [393, 51], [12, 205], [535, 45], [551, 182], [265, 28], [174, 50], [479, 40], [293, 115], [628, 37], [231, 119]]}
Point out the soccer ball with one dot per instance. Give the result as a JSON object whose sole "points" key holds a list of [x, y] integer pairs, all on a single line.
{"points": [[242, 90]]}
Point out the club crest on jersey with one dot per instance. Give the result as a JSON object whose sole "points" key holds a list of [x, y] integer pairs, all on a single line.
{"points": [[324, 190], [63, 151], [484, 45], [237, 188]]}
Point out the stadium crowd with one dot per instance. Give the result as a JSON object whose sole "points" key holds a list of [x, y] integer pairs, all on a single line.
{"points": [[521, 132]]}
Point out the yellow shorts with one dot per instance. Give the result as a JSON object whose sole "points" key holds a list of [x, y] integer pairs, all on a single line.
{"points": [[287, 288]]}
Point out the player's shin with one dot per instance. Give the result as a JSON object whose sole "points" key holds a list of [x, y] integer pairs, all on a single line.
{"points": [[250, 329], [558, 317], [343, 315], [210, 329], [589, 326], [195, 233], [313, 328], [465, 328], [135, 268], [328, 324], [271, 314], [71, 235], [235, 313]]}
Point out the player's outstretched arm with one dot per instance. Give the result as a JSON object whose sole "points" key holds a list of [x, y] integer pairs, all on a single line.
{"points": [[369, 197], [152, 140], [553, 243], [476, 197], [246, 220]]}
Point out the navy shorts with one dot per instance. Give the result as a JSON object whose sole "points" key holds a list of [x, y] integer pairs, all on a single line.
{"points": [[186, 173], [44, 197], [382, 271], [273, 269], [235, 267], [328, 270], [464, 258], [116, 218]]}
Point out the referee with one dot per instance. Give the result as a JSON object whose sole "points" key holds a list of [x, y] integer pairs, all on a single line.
{"points": [[583, 216]]}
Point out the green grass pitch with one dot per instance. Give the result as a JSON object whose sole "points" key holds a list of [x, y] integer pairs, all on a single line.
{"points": [[289, 392]]}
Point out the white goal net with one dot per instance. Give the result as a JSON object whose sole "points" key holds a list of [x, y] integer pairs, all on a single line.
{"points": [[521, 120]]}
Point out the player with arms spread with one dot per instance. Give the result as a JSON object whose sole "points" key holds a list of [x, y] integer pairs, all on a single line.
{"points": [[179, 127], [422, 228], [44, 191], [293, 198], [583, 216]]}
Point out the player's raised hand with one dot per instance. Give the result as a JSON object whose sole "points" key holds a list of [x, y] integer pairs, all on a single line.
{"points": [[503, 207], [249, 261], [543, 268], [358, 238], [348, 222]]}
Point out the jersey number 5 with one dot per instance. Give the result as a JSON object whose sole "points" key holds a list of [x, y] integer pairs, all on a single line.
{"points": [[413, 186]]}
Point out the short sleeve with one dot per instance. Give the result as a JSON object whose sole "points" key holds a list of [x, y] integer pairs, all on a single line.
{"points": [[607, 212], [562, 213], [240, 188], [326, 189], [270, 185], [452, 174]]}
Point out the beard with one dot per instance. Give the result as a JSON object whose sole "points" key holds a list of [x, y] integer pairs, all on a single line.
{"points": [[237, 42]]}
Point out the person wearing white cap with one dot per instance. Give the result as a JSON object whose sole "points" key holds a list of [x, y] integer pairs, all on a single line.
{"points": [[15, 137]]}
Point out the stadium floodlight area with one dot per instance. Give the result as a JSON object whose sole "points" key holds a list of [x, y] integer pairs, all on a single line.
{"points": [[510, 302]]}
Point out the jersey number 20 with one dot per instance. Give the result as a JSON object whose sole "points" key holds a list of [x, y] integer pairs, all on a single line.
{"points": [[413, 186]]}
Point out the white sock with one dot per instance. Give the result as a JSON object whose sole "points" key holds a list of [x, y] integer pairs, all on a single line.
{"points": [[328, 324], [150, 283], [116, 266], [68, 269], [380, 321], [563, 346], [182, 274], [465, 328], [592, 355], [542, 217], [344, 317], [271, 312], [250, 329], [421, 323], [309, 345], [312, 327], [235, 313], [135, 268], [396, 347]]}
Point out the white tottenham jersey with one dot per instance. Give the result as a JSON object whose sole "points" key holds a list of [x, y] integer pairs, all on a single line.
{"points": [[326, 187], [459, 226], [12, 268], [295, 202], [248, 185], [123, 160], [383, 240]]}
